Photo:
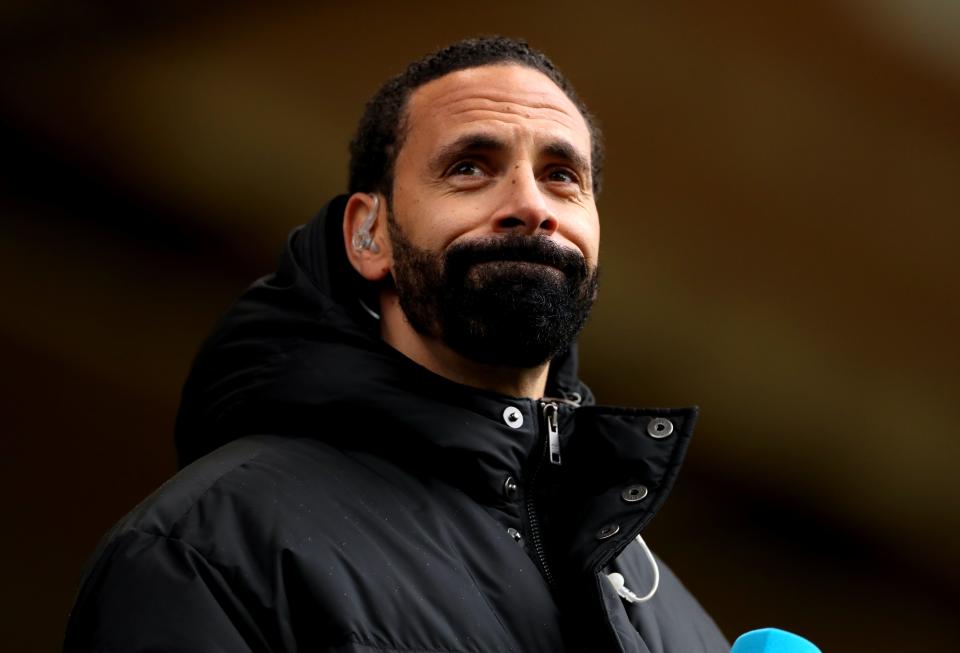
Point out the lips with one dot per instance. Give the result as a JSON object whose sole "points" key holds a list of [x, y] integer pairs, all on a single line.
{"points": [[518, 265], [519, 273], [530, 254]]}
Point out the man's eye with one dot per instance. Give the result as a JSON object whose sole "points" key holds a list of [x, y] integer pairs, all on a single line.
{"points": [[466, 169], [563, 175]]}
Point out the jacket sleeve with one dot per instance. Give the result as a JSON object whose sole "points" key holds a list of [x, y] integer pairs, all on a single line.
{"points": [[147, 592]]}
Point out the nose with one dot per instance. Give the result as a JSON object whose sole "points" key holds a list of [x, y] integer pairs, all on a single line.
{"points": [[524, 209]]}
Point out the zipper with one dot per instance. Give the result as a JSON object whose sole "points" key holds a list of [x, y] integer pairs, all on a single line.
{"points": [[552, 452], [550, 414]]}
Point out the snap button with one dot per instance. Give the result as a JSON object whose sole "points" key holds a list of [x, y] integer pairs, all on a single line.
{"points": [[510, 488], [608, 531], [659, 427], [515, 534], [513, 417], [634, 493]]}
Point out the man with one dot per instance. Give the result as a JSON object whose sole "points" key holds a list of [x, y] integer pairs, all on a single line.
{"points": [[386, 442]]}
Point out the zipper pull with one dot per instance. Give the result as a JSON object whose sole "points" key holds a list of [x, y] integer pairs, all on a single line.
{"points": [[550, 413]]}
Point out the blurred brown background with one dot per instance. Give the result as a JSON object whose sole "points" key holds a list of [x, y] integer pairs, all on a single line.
{"points": [[779, 236]]}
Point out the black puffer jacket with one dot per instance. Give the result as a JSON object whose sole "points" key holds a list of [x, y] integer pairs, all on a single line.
{"points": [[339, 497]]}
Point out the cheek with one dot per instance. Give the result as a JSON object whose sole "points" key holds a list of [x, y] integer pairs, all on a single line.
{"points": [[584, 231], [445, 220]]}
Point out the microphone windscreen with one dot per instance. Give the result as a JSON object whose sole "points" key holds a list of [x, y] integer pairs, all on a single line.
{"points": [[772, 640]]}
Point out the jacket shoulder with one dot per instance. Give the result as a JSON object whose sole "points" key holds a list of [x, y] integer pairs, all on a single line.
{"points": [[161, 511], [190, 563]]}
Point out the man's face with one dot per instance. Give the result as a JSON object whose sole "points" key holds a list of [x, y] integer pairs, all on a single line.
{"points": [[494, 229]]}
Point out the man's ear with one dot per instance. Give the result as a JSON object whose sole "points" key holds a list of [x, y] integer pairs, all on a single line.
{"points": [[364, 236]]}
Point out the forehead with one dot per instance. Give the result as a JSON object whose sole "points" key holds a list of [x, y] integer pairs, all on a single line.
{"points": [[502, 96]]}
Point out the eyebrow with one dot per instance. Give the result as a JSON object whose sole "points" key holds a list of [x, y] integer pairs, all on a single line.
{"points": [[566, 151], [483, 142], [477, 142]]}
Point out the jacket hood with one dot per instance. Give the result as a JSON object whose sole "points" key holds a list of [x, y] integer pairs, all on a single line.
{"points": [[299, 351]]}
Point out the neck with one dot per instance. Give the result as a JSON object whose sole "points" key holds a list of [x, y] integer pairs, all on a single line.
{"points": [[437, 357]]}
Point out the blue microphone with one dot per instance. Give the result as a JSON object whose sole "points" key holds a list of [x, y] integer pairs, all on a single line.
{"points": [[772, 640]]}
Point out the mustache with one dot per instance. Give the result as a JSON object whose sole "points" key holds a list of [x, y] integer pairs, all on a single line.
{"points": [[515, 248]]}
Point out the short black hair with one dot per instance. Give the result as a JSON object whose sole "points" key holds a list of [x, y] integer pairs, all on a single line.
{"points": [[380, 133]]}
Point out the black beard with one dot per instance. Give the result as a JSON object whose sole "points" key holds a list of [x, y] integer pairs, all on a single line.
{"points": [[508, 300]]}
